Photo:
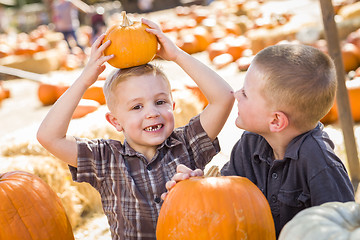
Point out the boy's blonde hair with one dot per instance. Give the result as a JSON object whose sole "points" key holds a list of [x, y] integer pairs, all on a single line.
{"points": [[120, 75], [299, 80]]}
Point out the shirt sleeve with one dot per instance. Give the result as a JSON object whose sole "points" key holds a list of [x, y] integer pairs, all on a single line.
{"points": [[91, 162], [200, 146]]}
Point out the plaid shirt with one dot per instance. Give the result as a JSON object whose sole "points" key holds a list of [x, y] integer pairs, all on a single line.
{"points": [[130, 187]]}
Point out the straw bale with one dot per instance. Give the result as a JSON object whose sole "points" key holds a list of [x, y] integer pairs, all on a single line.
{"points": [[78, 199]]}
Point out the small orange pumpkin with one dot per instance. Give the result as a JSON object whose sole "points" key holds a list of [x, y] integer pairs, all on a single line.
{"points": [[30, 209], [223, 208], [131, 44], [47, 93], [353, 88], [85, 107]]}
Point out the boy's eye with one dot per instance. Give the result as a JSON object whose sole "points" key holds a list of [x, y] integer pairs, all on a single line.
{"points": [[137, 107], [243, 92], [160, 102]]}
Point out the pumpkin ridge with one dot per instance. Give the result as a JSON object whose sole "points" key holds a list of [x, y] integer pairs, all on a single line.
{"points": [[8, 223], [38, 208], [15, 207]]}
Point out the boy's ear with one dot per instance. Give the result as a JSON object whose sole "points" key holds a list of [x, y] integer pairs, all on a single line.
{"points": [[113, 121], [279, 122]]}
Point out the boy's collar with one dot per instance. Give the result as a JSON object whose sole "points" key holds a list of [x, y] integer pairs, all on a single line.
{"points": [[264, 150], [129, 151]]}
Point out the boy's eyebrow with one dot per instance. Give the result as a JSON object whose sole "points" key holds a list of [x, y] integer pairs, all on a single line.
{"points": [[138, 99]]}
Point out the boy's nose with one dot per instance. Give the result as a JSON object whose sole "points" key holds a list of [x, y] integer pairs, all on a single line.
{"points": [[152, 112]]}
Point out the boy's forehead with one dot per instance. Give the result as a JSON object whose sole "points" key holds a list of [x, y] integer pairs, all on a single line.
{"points": [[148, 82]]}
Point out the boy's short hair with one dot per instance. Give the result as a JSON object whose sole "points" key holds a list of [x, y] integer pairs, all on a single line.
{"points": [[300, 81], [120, 75]]}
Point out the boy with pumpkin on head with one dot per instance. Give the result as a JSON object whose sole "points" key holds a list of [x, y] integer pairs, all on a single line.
{"points": [[131, 176], [284, 149]]}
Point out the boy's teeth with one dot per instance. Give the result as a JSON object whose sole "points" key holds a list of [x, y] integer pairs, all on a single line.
{"points": [[153, 128]]}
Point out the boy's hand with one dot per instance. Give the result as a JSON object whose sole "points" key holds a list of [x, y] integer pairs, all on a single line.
{"points": [[168, 50], [96, 63], [182, 173]]}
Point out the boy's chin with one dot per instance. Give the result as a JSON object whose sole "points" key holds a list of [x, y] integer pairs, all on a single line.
{"points": [[238, 124]]}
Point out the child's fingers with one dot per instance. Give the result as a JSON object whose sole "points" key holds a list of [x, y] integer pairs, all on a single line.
{"points": [[98, 41], [104, 45], [103, 59], [197, 173], [181, 168], [170, 184], [163, 196], [180, 177], [150, 23]]}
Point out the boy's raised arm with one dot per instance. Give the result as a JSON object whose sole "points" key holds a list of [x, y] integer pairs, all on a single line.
{"points": [[52, 131], [218, 92]]}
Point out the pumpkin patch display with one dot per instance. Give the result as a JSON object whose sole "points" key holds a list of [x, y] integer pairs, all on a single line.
{"points": [[30, 209], [131, 44], [223, 208], [332, 220]]}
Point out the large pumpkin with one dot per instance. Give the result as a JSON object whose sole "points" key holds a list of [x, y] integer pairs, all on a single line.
{"points": [[131, 44], [333, 220], [30, 209], [224, 208]]}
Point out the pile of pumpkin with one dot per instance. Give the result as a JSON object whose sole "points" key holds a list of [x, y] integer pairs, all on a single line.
{"points": [[23, 50], [226, 30]]}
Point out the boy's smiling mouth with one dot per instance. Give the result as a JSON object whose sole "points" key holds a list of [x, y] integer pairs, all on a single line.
{"points": [[154, 128]]}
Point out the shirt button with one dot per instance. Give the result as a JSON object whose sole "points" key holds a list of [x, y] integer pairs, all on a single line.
{"points": [[148, 167], [274, 175], [157, 199], [273, 198]]}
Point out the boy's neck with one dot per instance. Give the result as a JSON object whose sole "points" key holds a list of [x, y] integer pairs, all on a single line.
{"points": [[279, 141]]}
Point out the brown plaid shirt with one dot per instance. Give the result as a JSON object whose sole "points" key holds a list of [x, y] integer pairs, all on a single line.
{"points": [[129, 186]]}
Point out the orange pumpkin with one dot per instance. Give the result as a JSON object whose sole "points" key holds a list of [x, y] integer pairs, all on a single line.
{"points": [[30, 209], [95, 92], [131, 44], [198, 93], [351, 56], [85, 107], [47, 93], [353, 88], [223, 208]]}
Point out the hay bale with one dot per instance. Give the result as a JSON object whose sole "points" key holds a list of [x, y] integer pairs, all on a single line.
{"points": [[78, 199], [40, 62]]}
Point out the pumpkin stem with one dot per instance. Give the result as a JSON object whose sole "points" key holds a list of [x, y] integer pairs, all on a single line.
{"points": [[213, 172], [126, 21]]}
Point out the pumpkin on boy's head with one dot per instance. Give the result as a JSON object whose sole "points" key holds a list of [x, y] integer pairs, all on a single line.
{"points": [[131, 44]]}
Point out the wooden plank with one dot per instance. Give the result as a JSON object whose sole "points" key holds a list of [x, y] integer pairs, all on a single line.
{"points": [[342, 98]]}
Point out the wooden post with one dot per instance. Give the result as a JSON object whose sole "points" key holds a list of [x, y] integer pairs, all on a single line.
{"points": [[342, 98]]}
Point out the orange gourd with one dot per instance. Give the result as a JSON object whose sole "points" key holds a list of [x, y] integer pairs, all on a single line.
{"points": [[47, 93], [131, 44], [223, 208], [351, 56], [85, 107], [30, 209], [353, 88]]}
